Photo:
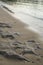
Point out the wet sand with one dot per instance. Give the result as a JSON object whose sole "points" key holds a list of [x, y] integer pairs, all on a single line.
{"points": [[25, 35]]}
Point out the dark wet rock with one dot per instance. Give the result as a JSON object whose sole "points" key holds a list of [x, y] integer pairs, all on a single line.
{"points": [[16, 43], [2, 52], [33, 41], [19, 46], [7, 36], [33, 44], [13, 55], [38, 47], [38, 59], [4, 45], [33, 62], [4, 25], [1, 32], [42, 56], [29, 51], [7, 9], [17, 33]]}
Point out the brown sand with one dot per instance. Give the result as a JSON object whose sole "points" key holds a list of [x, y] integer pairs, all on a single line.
{"points": [[18, 26]]}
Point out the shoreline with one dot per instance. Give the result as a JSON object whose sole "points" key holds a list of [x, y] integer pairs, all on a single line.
{"points": [[25, 35], [15, 16], [19, 16]]}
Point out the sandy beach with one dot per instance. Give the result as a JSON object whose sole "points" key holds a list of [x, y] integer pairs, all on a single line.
{"points": [[23, 36]]}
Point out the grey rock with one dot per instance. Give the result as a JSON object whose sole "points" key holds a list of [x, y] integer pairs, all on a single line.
{"points": [[2, 53], [7, 9], [13, 55], [4, 25], [16, 43], [7, 36], [33, 44], [29, 51], [33, 41], [4, 45], [20, 46], [17, 33]]}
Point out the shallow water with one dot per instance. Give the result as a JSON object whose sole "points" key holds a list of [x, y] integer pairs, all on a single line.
{"points": [[31, 15]]}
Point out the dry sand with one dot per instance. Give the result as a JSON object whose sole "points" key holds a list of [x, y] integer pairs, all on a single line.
{"points": [[18, 26]]}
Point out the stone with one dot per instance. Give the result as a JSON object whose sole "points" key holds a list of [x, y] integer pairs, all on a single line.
{"points": [[14, 55], [29, 51], [7, 9], [4, 25]]}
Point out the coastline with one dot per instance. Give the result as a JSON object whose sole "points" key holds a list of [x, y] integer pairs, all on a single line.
{"points": [[26, 19], [25, 25], [25, 35]]}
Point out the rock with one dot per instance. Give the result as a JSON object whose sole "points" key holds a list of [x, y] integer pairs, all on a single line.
{"points": [[4, 45], [19, 46], [33, 41], [13, 55], [29, 51], [2, 53], [1, 32], [38, 59], [4, 25], [17, 33], [16, 43], [7, 9], [33, 44], [7, 36]]}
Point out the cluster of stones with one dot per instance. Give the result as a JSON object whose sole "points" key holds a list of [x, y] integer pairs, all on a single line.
{"points": [[8, 49]]}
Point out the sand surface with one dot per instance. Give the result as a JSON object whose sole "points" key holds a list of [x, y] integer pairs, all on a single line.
{"points": [[25, 35]]}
